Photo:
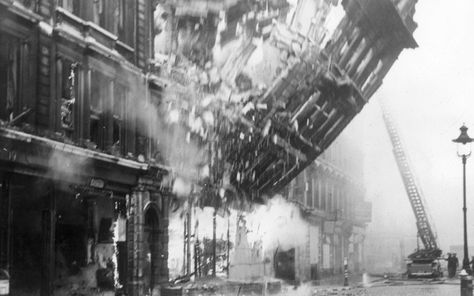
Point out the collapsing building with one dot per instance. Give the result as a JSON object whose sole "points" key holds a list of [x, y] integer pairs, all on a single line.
{"points": [[83, 202], [103, 104], [283, 89], [318, 92]]}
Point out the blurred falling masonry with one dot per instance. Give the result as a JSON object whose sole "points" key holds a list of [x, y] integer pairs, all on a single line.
{"points": [[101, 120], [275, 117], [314, 97]]}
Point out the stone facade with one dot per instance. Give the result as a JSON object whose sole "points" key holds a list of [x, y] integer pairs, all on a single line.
{"points": [[331, 196], [84, 204]]}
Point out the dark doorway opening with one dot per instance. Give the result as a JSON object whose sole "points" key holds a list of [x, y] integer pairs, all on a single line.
{"points": [[151, 247], [285, 265]]}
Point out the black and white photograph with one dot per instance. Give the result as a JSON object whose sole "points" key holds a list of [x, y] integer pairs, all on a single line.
{"points": [[236, 147]]}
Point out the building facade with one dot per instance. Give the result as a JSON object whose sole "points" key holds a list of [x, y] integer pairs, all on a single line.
{"points": [[331, 196], [83, 205]]}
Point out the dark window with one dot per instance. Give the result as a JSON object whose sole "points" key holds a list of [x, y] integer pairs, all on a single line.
{"points": [[90, 10], [317, 193], [115, 9], [155, 99], [309, 190], [118, 111], [116, 16], [105, 231], [66, 4], [70, 5], [111, 15], [108, 14], [67, 91], [325, 193], [95, 128], [98, 99], [117, 126], [125, 21], [142, 140], [98, 12], [9, 77]]}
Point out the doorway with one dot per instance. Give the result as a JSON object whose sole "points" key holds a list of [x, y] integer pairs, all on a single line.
{"points": [[150, 247]]}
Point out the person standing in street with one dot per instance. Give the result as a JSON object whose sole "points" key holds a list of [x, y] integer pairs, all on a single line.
{"points": [[451, 268], [456, 263]]}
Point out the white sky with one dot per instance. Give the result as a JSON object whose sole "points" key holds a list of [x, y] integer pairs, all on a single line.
{"points": [[430, 91]]}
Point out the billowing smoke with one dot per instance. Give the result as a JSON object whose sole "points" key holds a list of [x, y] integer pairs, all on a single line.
{"points": [[66, 166], [177, 131], [201, 229], [176, 147], [213, 63], [278, 224]]}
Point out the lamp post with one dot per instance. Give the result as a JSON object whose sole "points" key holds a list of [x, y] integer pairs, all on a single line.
{"points": [[464, 151]]}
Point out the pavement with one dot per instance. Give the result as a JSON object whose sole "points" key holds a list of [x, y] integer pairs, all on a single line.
{"points": [[372, 286], [418, 290], [390, 287]]}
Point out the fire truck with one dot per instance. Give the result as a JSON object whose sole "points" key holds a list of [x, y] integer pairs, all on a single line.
{"points": [[424, 262]]}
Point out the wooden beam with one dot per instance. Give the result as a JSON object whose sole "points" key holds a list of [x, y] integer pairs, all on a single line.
{"points": [[267, 175], [321, 128], [277, 140]]}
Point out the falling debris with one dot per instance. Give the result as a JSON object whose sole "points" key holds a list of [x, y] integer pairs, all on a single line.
{"points": [[150, 144]]}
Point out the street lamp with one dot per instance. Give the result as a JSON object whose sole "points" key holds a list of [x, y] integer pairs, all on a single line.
{"points": [[464, 151]]}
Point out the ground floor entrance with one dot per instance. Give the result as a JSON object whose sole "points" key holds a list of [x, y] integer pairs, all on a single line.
{"points": [[58, 239], [76, 223]]}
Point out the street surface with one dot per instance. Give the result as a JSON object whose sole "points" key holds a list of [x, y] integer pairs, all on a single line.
{"points": [[422, 290], [400, 288]]}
